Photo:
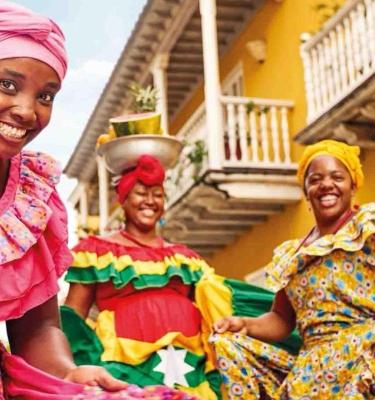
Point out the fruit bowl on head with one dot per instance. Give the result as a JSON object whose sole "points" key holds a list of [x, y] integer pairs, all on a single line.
{"points": [[123, 152], [136, 124]]}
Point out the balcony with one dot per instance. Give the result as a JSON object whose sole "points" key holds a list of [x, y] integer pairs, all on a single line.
{"points": [[207, 208], [339, 64]]}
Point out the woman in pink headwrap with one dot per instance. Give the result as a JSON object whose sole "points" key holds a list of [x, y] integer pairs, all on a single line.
{"points": [[33, 225]]}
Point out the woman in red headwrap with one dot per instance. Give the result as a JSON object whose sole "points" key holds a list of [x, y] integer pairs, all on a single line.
{"points": [[156, 300], [33, 225]]}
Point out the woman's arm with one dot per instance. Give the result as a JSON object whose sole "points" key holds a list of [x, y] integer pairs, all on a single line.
{"points": [[80, 298], [38, 339], [273, 326]]}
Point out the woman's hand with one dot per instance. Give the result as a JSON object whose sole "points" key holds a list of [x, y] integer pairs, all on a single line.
{"points": [[273, 326], [231, 324], [91, 375]]}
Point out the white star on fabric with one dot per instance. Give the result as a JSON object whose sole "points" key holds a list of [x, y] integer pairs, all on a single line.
{"points": [[173, 366]]}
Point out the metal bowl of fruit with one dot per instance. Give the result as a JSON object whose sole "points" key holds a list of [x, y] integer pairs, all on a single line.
{"points": [[122, 153]]}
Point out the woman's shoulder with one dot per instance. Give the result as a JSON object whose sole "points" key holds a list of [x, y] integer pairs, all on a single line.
{"points": [[34, 235], [41, 165], [289, 258], [29, 204], [282, 265], [90, 243], [112, 244], [351, 237], [365, 212]]}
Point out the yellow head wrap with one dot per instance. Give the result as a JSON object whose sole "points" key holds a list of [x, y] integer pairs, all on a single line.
{"points": [[348, 155]]}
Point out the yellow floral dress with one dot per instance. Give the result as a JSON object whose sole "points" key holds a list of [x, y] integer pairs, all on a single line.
{"points": [[331, 286]]}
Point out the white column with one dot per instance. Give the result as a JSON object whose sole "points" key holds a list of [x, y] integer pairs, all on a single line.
{"points": [[159, 75], [83, 205], [214, 116], [103, 195]]}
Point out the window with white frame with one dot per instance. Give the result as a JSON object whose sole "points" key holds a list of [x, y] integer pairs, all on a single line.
{"points": [[233, 83]]}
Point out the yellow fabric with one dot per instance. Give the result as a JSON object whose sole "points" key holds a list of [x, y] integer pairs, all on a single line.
{"points": [[348, 155], [85, 259], [202, 391], [214, 300], [134, 351]]}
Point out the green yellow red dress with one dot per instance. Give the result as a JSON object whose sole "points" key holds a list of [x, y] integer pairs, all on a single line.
{"points": [[156, 308], [331, 286]]}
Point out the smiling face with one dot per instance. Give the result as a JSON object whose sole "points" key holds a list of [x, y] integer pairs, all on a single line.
{"points": [[143, 207], [27, 91], [329, 188]]}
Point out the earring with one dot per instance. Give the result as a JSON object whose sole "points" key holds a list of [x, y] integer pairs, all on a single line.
{"points": [[308, 204]]}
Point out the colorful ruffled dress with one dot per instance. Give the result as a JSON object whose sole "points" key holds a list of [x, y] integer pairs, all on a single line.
{"points": [[331, 286], [156, 308], [33, 255]]}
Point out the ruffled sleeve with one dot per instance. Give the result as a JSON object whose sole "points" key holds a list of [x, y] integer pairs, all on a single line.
{"points": [[356, 235], [98, 260], [33, 235]]}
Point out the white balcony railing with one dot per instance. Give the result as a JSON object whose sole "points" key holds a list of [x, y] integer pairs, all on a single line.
{"points": [[340, 57], [256, 132], [255, 135]]}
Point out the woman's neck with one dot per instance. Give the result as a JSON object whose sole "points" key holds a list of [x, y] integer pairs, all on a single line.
{"points": [[148, 237], [4, 173], [331, 227]]}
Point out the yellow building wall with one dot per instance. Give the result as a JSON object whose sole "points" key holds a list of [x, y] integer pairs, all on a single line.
{"points": [[281, 77]]}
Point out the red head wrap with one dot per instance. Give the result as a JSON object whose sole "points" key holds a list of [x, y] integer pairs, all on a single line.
{"points": [[148, 171]]}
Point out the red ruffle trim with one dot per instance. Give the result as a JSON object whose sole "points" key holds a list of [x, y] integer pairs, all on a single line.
{"points": [[99, 246]]}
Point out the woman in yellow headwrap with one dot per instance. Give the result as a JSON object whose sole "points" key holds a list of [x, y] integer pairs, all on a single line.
{"points": [[325, 285]]}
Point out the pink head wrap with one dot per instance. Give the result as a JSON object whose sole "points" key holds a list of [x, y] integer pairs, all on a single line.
{"points": [[24, 33], [148, 171]]}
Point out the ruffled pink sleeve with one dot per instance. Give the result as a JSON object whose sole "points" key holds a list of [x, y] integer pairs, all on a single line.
{"points": [[33, 235]]}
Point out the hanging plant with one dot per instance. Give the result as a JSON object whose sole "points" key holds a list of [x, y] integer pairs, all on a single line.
{"points": [[250, 106], [196, 157], [326, 9]]}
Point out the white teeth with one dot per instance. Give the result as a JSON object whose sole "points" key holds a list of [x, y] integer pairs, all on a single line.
{"points": [[328, 200], [11, 131], [148, 212], [328, 197]]}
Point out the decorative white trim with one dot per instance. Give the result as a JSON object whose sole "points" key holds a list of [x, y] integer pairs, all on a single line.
{"points": [[212, 91], [83, 206], [235, 76], [159, 74], [103, 195]]}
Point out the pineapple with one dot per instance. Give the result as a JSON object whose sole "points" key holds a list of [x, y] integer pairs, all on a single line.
{"points": [[144, 98]]}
